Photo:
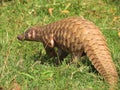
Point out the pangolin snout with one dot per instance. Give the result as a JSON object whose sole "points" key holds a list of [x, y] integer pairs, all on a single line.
{"points": [[20, 37]]}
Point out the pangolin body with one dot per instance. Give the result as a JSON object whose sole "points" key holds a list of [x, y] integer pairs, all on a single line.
{"points": [[75, 36]]}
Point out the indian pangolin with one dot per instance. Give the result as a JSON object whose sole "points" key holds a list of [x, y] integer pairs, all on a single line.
{"points": [[75, 36]]}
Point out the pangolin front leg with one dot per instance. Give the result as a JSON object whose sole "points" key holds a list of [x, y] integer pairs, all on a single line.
{"points": [[61, 55], [50, 51], [56, 53]]}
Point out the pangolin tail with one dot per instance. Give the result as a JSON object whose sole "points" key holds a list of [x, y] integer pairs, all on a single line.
{"points": [[97, 51]]}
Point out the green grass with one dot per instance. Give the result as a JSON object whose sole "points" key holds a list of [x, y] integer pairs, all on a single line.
{"points": [[20, 62]]}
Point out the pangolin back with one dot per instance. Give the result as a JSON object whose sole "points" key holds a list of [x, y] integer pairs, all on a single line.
{"points": [[75, 35]]}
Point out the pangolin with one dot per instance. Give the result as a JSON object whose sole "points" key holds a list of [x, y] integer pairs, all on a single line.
{"points": [[75, 36]]}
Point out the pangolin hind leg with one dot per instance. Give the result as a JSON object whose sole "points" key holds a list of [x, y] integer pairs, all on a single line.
{"points": [[76, 56]]}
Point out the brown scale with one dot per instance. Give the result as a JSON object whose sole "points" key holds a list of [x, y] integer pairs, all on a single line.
{"points": [[75, 35]]}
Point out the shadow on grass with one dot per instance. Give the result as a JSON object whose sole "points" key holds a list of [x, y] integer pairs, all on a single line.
{"points": [[45, 59]]}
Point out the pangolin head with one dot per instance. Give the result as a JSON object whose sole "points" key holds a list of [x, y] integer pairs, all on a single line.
{"points": [[29, 35], [21, 37]]}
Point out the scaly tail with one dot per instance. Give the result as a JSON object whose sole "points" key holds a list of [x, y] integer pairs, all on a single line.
{"points": [[96, 49]]}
